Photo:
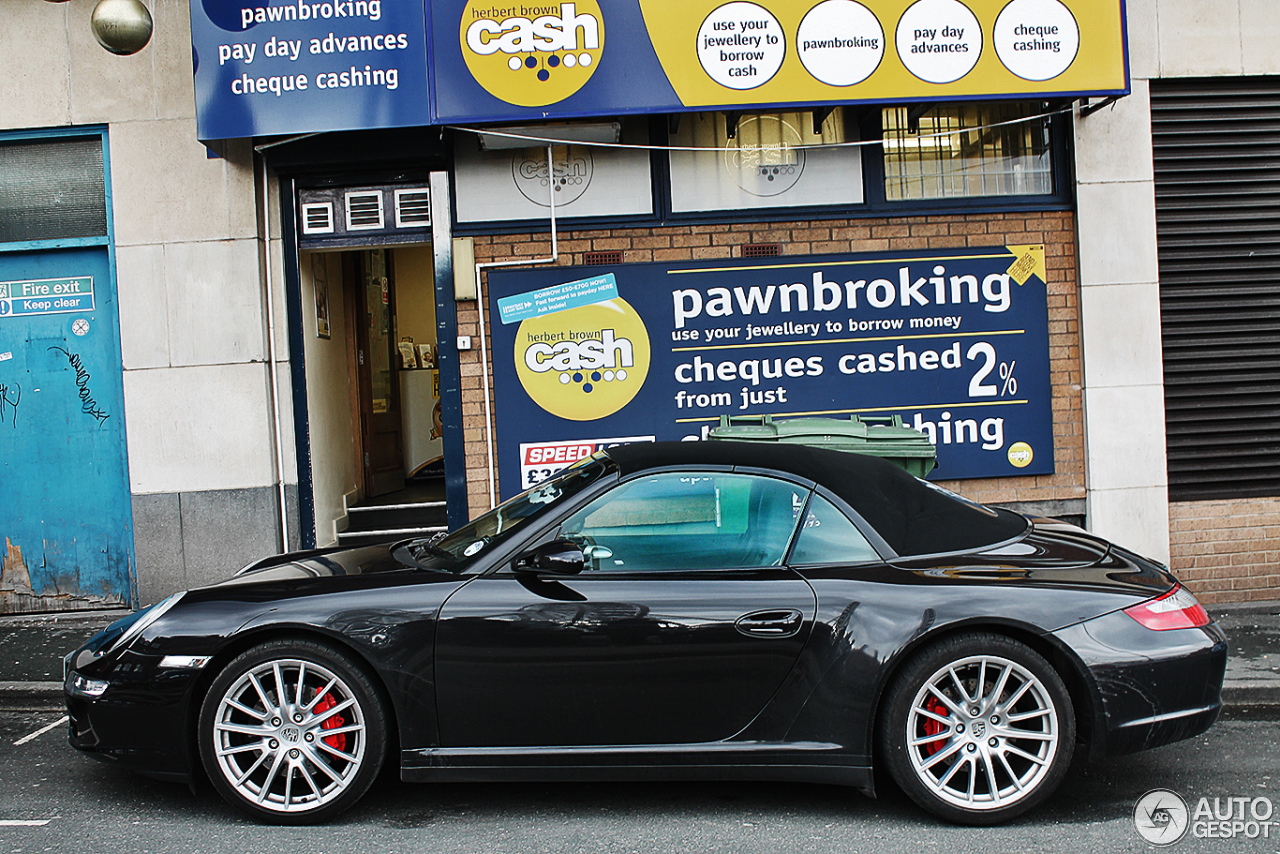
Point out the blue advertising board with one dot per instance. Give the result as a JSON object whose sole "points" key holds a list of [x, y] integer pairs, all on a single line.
{"points": [[293, 66], [266, 67], [954, 341]]}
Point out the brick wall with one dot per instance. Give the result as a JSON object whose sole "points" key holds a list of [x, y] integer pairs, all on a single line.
{"points": [[1227, 551], [1056, 230]]}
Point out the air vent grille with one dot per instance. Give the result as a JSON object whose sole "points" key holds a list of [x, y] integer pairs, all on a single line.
{"points": [[413, 208], [364, 211], [317, 218], [761, 250], [604, 258]]}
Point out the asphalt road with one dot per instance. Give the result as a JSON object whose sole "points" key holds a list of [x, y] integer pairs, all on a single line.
{"points": [[86, 806]]}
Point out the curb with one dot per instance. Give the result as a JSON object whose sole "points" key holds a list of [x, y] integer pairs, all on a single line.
{"points": [[1252, 693], [20, 696]]}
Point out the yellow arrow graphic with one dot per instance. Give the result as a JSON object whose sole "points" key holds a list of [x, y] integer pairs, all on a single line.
{"points": [[1028, 261]]}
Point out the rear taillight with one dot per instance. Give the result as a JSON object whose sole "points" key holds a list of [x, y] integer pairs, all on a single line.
{"points": [[1177, 609]]}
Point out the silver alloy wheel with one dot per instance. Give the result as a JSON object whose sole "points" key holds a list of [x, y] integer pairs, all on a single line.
{"points": [[982, 733], [289, 735]]}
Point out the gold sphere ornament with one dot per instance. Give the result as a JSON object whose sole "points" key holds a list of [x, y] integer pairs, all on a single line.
{"points": [[121, 26]]}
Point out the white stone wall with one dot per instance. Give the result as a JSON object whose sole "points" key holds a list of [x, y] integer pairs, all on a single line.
{"points": [[329, 404], [186, 236], [1120, 293]]}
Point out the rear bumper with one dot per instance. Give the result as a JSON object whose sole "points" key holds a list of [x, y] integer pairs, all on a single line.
{"points": [[1148, 688]]}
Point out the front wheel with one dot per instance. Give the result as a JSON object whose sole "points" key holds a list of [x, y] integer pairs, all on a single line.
{"points": [[977, 729], [292, 732]]}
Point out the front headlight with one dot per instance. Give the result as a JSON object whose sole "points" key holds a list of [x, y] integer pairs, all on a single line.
{"points": [[84, 687], [148, 617]]}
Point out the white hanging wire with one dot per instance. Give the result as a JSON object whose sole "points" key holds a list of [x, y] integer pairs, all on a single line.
{"points": [[540, 141]]}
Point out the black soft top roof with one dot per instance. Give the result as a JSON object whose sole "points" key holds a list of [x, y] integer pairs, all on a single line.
{"points": [[912, 517]]}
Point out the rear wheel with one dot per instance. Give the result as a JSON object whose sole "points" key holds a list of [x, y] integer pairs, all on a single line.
{"points": [[978, 729], [292, 732]]}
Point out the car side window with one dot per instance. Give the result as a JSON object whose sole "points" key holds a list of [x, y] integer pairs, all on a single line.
{"points": [[827, 536], [688, 520]]}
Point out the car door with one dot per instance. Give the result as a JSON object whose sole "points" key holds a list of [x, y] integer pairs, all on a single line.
{"points": [[679, 631]]}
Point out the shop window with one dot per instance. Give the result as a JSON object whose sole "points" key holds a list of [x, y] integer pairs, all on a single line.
{"points": [[965, 151], [587, 181], [763, 161], [52, 189]]}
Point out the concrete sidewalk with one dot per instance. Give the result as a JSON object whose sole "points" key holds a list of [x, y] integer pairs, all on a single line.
{"points": [[32, 647]]}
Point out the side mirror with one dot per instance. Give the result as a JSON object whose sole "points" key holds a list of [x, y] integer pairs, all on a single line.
{"points": [[560, 557]]}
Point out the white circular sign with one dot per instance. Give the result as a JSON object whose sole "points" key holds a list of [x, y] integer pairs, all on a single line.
{"points": [[840, 42], [939, 41], [741, 45], [1037, 39], [80, 326], [571, 173], [766, 170]]}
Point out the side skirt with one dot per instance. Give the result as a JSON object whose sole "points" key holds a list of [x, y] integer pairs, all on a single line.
{"points": [[792, 762]]}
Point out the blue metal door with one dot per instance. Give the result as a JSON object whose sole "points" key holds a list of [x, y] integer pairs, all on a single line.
{"points": [[66, 527]]}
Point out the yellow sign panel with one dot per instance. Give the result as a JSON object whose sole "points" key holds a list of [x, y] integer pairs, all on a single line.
{"points": [[782, 51], [583, 363], [532, 55]]}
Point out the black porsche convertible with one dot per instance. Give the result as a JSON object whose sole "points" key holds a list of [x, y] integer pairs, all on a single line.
{"points": [[705, 610]]}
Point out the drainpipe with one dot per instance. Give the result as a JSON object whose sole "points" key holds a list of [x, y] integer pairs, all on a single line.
{"points": [[272, 371]]}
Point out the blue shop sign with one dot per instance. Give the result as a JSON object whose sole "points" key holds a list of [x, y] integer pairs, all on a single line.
{"points": [[956, 342], [293, 66], [264, 67]]}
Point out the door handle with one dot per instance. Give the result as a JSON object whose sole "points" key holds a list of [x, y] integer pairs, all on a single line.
{"points": [[775, 623]]}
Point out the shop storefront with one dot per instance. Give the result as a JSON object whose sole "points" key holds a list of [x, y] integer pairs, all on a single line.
{"points": [[640, 223], [398, 255]]}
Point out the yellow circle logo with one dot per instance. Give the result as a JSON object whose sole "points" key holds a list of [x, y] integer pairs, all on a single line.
{"points": [[532, 54], [1020, 454], [584, 363]]}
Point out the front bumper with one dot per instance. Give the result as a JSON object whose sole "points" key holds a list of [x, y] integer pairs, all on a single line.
{"points": [[142, 719], [1148, 688]]}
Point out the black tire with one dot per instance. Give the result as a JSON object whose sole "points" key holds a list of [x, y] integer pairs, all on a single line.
{"points": [[302, 759], [982, 768]]}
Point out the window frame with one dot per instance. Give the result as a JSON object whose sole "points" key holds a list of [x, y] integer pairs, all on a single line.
{"points": [[556, 529], [54, 135], [875, 204], [864, 527], [859, 524]]}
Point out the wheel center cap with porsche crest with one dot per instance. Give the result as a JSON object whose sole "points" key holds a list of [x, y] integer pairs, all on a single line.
{"points": [[289, 734]]}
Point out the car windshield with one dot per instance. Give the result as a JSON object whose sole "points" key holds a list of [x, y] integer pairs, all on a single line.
{"points": [[454, 552]]}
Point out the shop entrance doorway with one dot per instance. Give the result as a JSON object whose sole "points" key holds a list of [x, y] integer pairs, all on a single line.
{"points": [[372, 385], [378, 398]]}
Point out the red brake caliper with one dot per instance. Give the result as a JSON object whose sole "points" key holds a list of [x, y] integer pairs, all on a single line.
{"points": [[339, 741], [932, 727]]}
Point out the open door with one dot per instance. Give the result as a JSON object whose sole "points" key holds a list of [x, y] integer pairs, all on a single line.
{"points": [[380, 436]]}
